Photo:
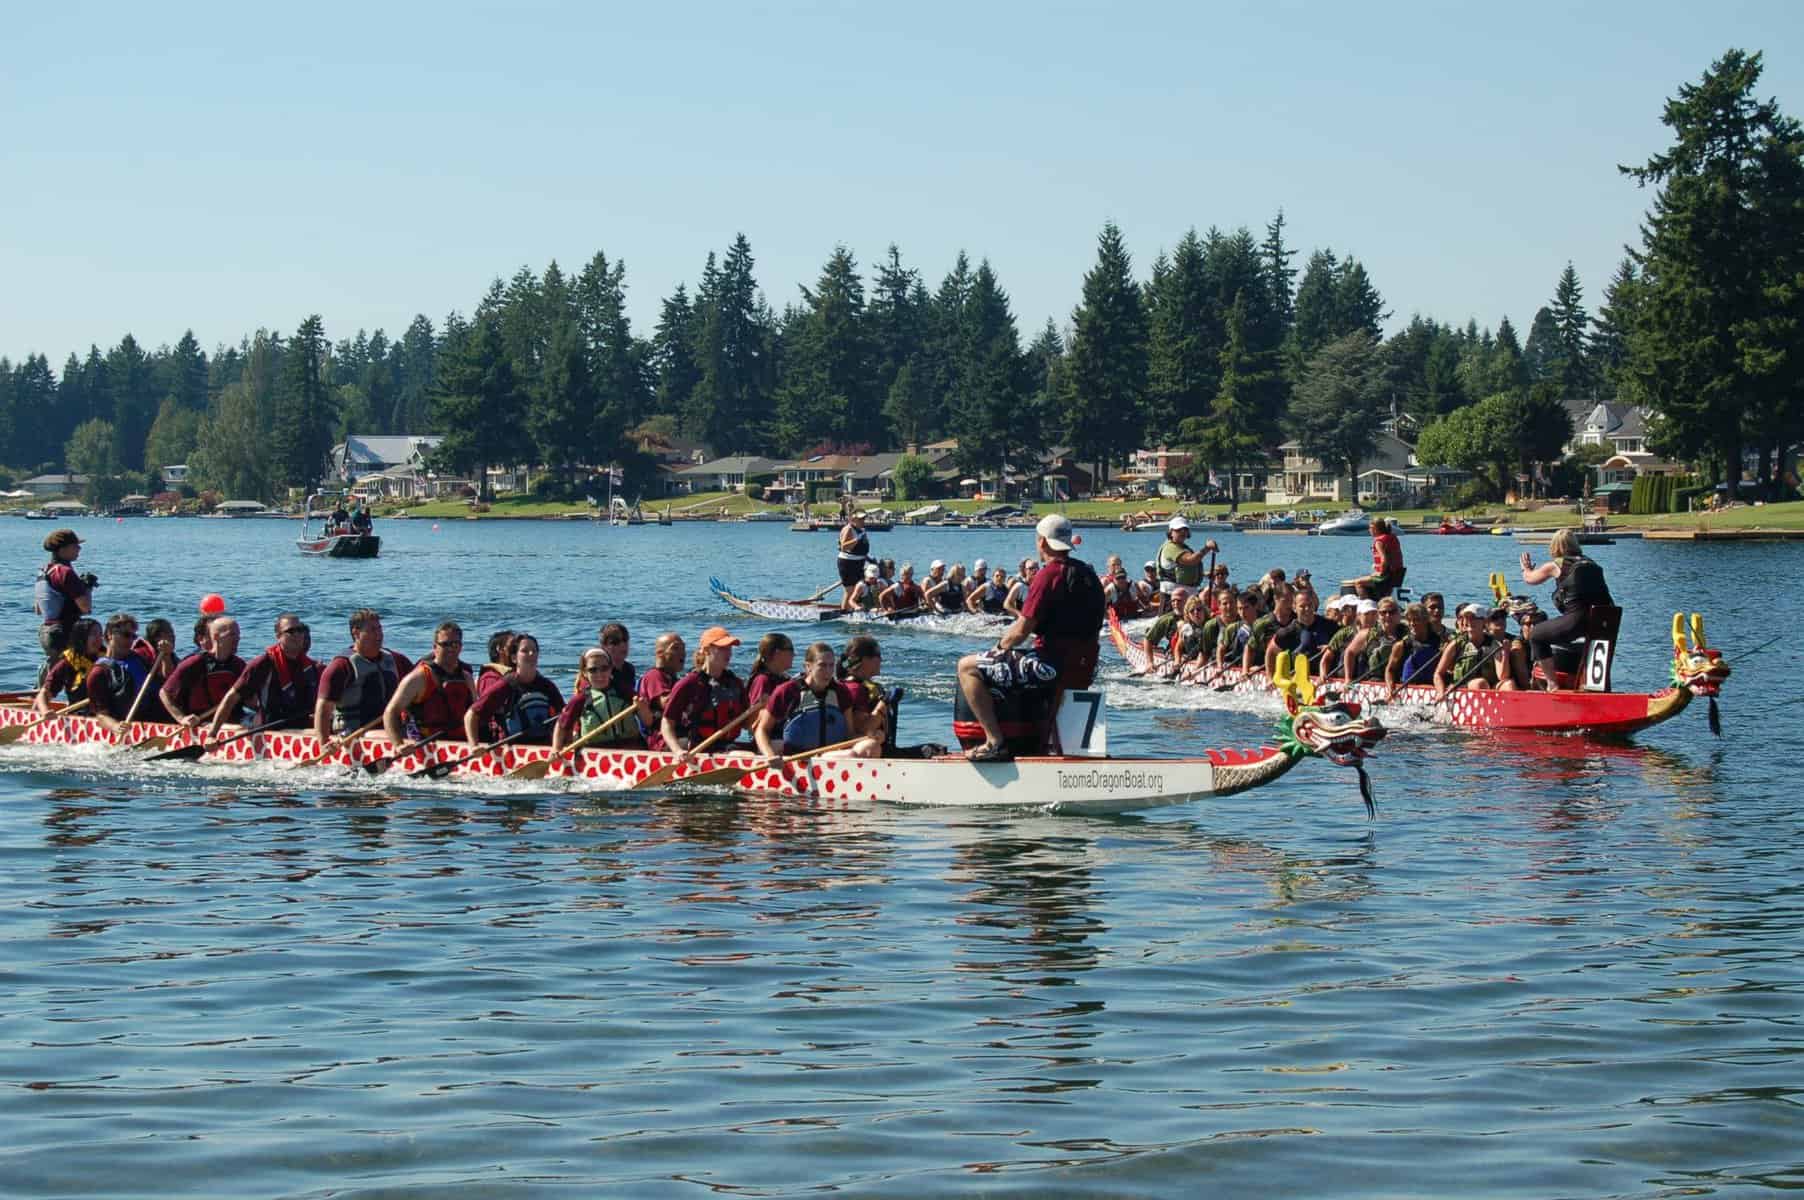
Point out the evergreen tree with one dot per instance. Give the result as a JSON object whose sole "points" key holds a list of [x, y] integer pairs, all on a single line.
{"points": [[732, 396], [987, 411], [618, 364], [1573, 378], [418, 350], [673, 354], [1341, 403], [1541, 360], [173, 435], [944, 356], [898, 325], [1358, 307], [36, 403], [188, 371], [827, 391], [133, 404], [478, 404], [1280, 276], [560, 416], [1716, 332], [231, 453], [1609, 338], [1243, 418], [1108, 359], [11, 447], [1317, 320], [305, 414], [1185, 340]]}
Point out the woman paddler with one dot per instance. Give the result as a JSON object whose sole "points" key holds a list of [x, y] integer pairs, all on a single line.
{"points": [[706, 700], [770, 669], [1472, 654], [815, 709], [1419, 649], [854, 549], [1578, 588], [594, 705], [74, 663], [522, 701]]}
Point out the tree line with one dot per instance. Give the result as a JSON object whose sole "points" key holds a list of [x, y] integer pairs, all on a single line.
{"points": [[1226, 347]]}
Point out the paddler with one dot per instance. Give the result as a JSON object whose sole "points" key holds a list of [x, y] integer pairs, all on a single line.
{"points": [[1417, 651], [859, 664], [1159, 633], [357, 685], [815, 709], [1578, 588], [1017, 591], [1230, 651], [281, 685], [1310, 634], [73, 665], [903, 596], [201, 682], [118, 675], [1266, 629], [667, 653], [1471, 646], [770, 668], [1062, 615], [706, 700], [594, 704], [522, 702], [1387, 562], [988, 596], [863, 596], [1345, 611], [624, 679], [947, 595], [59, 595], [436, 694], [501, 655], [156, 650], [854, 550]]}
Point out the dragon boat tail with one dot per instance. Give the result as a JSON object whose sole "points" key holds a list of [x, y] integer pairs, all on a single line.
{"points": [[1697, 671], [1337, 733]]}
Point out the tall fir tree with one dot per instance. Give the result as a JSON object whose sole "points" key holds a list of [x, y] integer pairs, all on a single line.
{"points": [[478, 404], [987, 413], [305, 418], [673, 354], [1185, 341], [1341, 403], [1108, 359], [134, 404], [1573, 378]]}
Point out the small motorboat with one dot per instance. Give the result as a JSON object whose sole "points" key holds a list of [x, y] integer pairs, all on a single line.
{"points": [[1352, 523], [1460, 526], [330, 540]]}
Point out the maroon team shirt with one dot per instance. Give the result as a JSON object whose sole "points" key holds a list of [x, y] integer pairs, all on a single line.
{"points": [[62, 578], [762, 685]]}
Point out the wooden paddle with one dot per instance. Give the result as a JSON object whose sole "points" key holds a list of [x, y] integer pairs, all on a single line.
{"points": [[439, 770], [143, 690], [194, 751], [334, 744], [727, 774], [540, 767], [13, 733], [821, 595], [378, 765], [664, 774]]}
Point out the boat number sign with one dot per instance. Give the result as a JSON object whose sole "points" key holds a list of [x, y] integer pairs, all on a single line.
{"points": [[1083, 726], [1597, 665]]}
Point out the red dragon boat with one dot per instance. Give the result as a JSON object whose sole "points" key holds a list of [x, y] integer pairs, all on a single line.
{"points": [[1697, 671]]}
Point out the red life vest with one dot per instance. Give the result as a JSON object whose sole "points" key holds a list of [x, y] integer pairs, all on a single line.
{"points": [[444, 700], [206, 687], [725, 701]]}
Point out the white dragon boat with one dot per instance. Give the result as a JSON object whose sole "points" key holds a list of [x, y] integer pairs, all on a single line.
{"points": [[1083, 783]]}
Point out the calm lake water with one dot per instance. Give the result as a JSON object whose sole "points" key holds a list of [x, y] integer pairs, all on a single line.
{"points": [[1549, 967]]}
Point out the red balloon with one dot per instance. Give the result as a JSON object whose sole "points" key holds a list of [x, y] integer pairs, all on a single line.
{"points": [[212, 604]]}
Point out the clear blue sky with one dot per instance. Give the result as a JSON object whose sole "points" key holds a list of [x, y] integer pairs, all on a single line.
{"points": [[225, 167]]}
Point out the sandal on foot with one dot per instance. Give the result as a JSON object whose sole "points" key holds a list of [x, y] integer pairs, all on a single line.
{"points": [[990, 753]]}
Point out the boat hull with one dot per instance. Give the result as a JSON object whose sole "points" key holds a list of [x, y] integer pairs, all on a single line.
{"points": [[344, 545], [1083, 785], [1611, 714]]}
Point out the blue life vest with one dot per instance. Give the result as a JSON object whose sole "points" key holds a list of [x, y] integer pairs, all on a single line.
{"points": [[817, 721], [530, 713]]}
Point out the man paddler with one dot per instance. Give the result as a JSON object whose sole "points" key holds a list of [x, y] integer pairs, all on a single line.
{"points": [[436, 693], [198, 686], [1062, 614], [281, 684], [59, 595], [854, 549], [356, 686]]}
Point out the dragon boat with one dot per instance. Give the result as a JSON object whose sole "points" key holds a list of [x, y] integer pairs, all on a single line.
{"points": [[810, 610], [1697, 671], [1082, 783]]}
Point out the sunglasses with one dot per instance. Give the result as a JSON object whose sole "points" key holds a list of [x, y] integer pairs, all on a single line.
{"points": [[293, 629], [448, 643]]}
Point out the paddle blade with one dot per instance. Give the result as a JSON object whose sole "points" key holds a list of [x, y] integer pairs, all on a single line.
{"points": [[657, 778], [13, 733], [189, 753], [150, 743], [537, 769], [717, 776]]}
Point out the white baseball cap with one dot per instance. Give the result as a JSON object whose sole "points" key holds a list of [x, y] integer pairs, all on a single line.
{"points": [[870, 571], [936, 565], [1056, 529], [1347, 601], [1151, 565], [1177, 523], [982, 564], [1367, 606]]}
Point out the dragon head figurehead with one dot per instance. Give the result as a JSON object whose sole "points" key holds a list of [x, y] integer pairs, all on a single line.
{"points": [[1338, 732], [1695, 667]]}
